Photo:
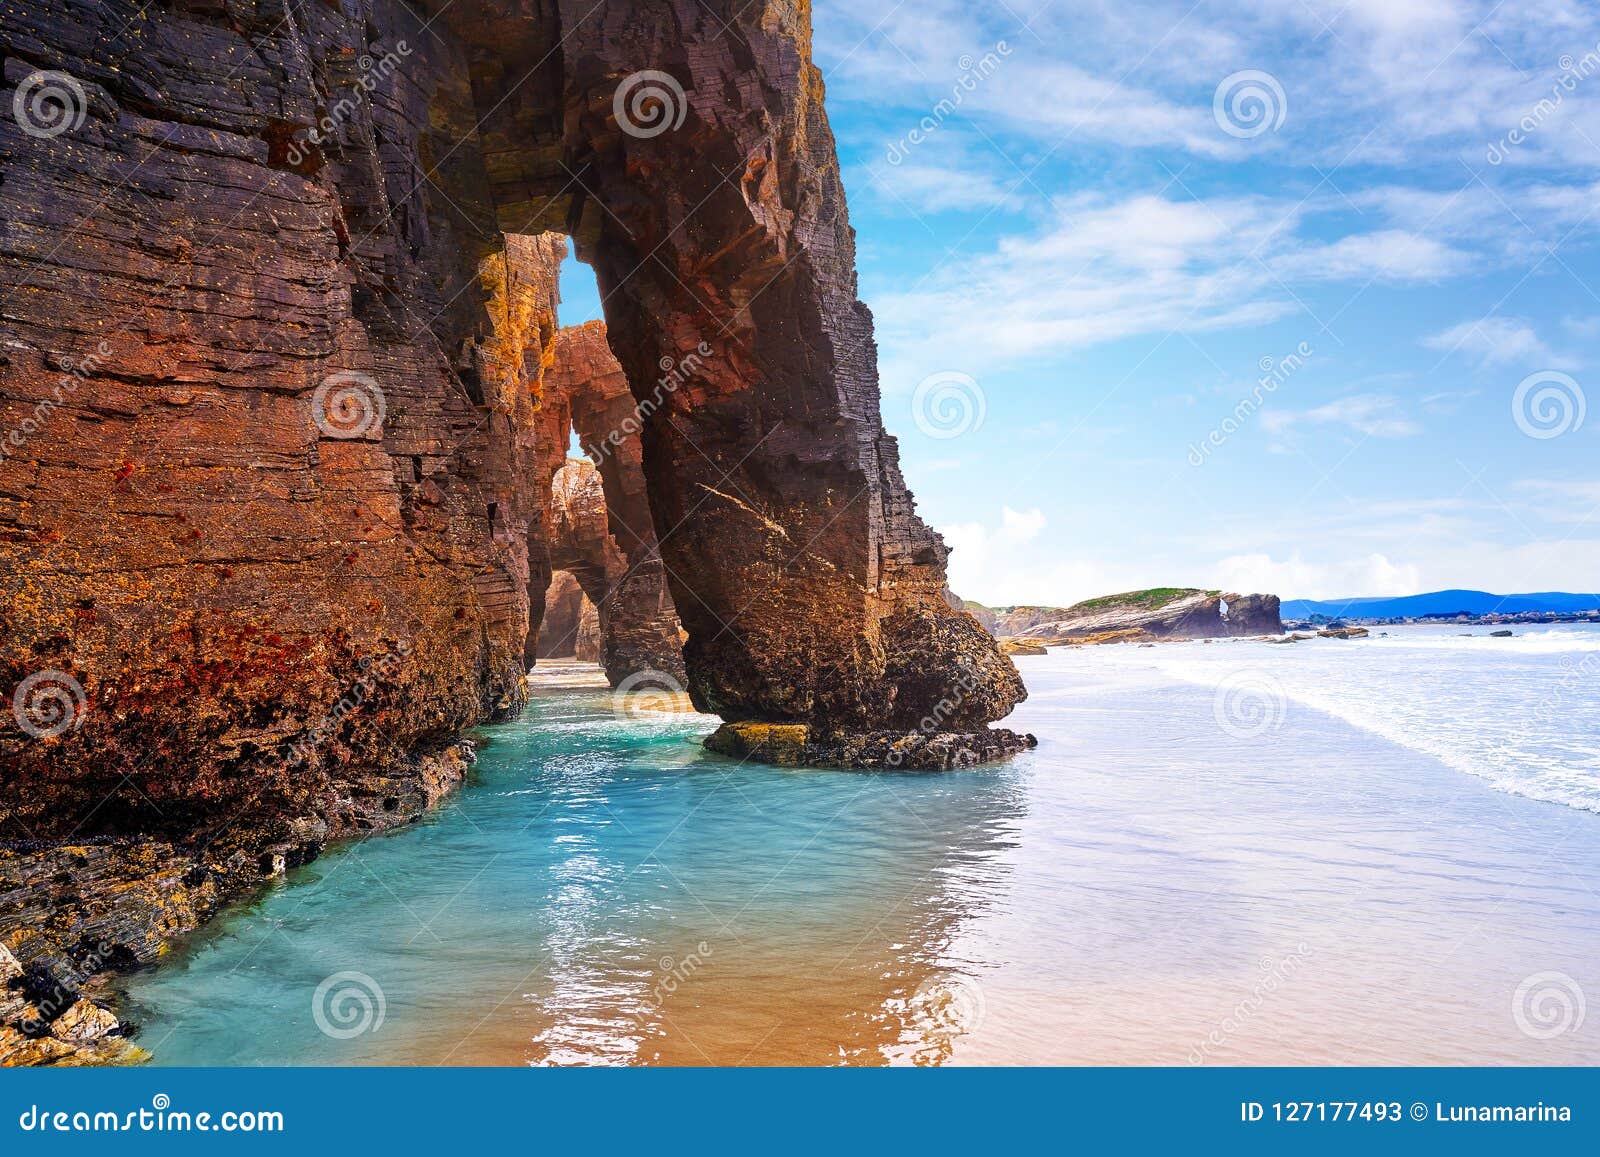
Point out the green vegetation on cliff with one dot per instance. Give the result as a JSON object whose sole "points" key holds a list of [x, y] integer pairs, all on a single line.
{"points": [[1142, 600]]}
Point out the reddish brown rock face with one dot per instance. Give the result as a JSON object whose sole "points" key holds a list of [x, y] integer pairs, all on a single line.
{"points": [[260, 466], [571, 627], [641, 624], [631, 635], [696, 170], [271, 386]]}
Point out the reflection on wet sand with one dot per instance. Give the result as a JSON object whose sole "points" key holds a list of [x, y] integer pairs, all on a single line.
{"points": [[772, 933], [1141, 889]]}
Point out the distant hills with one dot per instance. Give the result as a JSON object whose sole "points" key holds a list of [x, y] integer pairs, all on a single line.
{"points": [[1441, 603]]}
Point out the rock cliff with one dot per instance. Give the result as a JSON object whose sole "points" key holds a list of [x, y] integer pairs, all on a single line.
{"points": [[280, 301], [266, 439], [635, 629], [640, 622], [1252, 615], [1161, 613], [279, 290], [571, 627]]}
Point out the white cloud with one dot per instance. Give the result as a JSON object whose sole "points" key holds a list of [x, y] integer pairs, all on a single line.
{"points": [[952, 168], [1446, 401], [1498, 341], [1104, 269], [1148, 232], [1587, 328], [995, 563], [1405, 83], [1015, 528], [1500, 220], [1567, 501], [1374, 415], [1535, 566], [1020, 526], [1296, 578], [1036, 581], [1136, 225], [910, 58], [1390, 255], [1392, 549], [1409, 546], [1058, 100], [925, 187], [1546, 565]]}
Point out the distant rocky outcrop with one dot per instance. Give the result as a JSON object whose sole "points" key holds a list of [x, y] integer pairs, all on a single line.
{"points": [[1134, 616], [1023, 647], [571, 627], [986, 616], [1252, 615]]}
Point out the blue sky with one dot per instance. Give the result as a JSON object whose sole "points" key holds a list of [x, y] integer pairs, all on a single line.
{"points": [[1103, 254]]}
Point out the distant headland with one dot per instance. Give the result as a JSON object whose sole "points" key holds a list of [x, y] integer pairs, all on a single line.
{"points": [[1175, 613], [1449, 606], [1131, 617]]}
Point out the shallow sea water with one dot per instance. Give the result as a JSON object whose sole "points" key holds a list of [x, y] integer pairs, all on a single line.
{"points": [[1207, 860]]}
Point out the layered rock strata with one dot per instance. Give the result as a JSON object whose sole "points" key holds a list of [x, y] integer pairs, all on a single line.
{"points": [[267, 439], [301, 358], [278, 306], [1138, 616], [696, 171], [642, 630], [581, 545], [571, 627]]}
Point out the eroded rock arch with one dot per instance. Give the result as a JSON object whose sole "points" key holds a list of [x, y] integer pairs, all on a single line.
{"points": [[696, 171], [276, 329], [641, 625]]}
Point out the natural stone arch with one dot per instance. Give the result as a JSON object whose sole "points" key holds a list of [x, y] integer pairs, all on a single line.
{"points": [[571, 627], [642, 627], [266, 628], [596, 525], [809, 588], [581, 544], [218, 569]]}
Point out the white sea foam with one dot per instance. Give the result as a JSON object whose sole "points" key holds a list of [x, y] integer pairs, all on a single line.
{"points": [[1521, 712]]}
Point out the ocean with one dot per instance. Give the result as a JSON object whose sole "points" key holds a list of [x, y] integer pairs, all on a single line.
{"points": [[1379, 851]]}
